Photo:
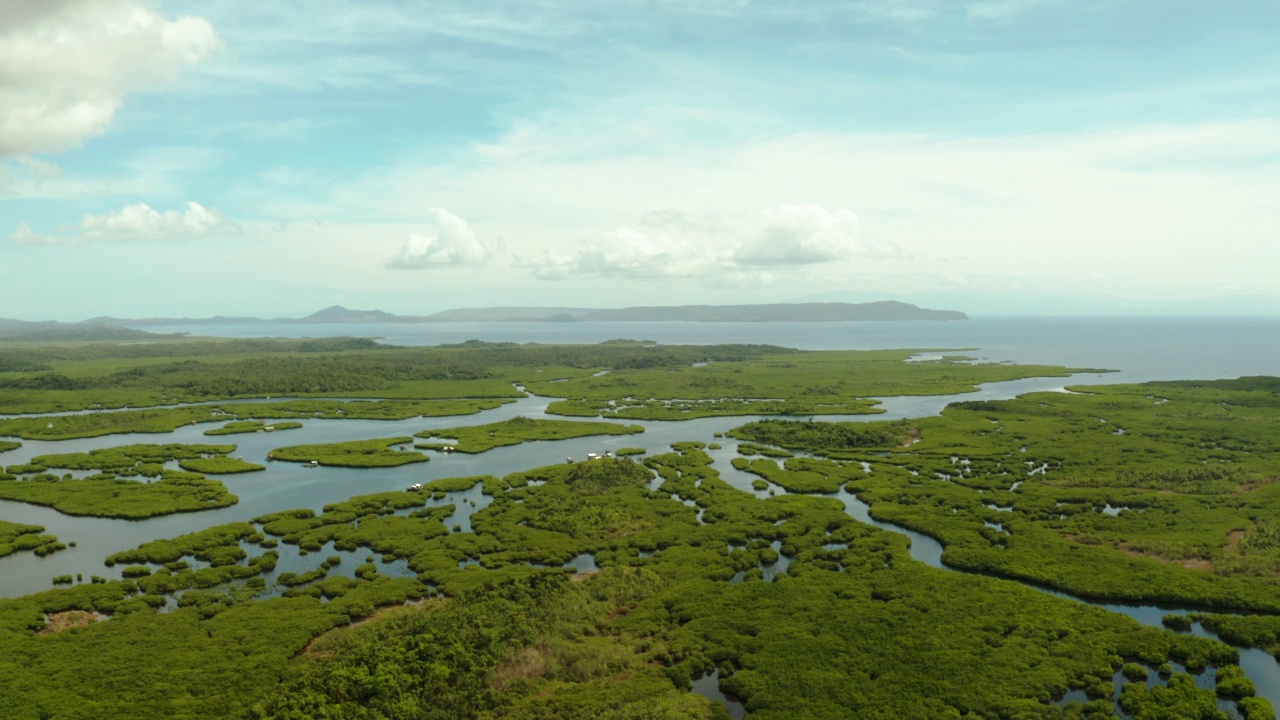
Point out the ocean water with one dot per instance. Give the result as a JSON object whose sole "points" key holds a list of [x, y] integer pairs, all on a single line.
{"points": [[1141, 348]]}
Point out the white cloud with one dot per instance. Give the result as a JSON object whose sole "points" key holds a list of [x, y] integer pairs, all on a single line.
{"points": [[730, 250], [804, 235], [454, 244], [40, 168], [1142, 199], [626, 253], [140, 222], [24, 235], [137, 222], [65, 67]]}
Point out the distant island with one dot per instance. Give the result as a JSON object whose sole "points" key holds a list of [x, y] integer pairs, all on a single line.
{"points": [[51, 331], [888, 310], [776, 312]]}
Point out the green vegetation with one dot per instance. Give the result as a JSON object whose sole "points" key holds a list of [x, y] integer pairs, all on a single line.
{"points": [[145, 460], [1163, 492], [107, 375], [797, 475], [217, 545], [7, 445], [764, 450], [479, 438], [356, 453], [771, 382], [628, 451], [599, 476], [693, 409], [512, 649], [211, 657], [252, 426], [112, 492], [645, 381], [15, 537], [822, 437], [163, 420], [857, 631], [24, 469], [218, 465], [458, 484], [112, 497], [1180, 699]]}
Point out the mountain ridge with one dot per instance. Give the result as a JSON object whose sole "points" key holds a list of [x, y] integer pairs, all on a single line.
{"points": [[885, 310]]}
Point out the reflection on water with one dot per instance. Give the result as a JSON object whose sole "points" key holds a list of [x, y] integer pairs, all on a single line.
{"points": [[708, 686]]}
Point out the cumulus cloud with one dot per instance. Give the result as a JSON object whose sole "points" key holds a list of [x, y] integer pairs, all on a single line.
{"points": [[799, 235], [137, 222], [24, 235], [740, 251], [626, 253], [140, 222], [66, 65], [804, 235], [453, 244]]}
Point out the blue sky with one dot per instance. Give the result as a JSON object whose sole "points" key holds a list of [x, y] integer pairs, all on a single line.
{"points": [[995, 156]]}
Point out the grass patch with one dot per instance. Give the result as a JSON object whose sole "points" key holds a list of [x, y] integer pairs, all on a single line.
{"points": [[139, 459], [25, 469], [16, 537], [243, 417], [114, 497], [479, 438], [355, 453], [458, 484], [219, 465], [252, 426]]}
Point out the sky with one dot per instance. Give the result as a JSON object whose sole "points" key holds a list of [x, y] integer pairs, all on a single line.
{"points": [[180, 158]]}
